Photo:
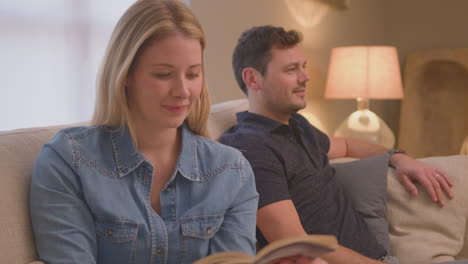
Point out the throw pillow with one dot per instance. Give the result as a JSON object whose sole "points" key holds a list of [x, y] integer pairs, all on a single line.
{"points": [[365, 182], [422, 231]]}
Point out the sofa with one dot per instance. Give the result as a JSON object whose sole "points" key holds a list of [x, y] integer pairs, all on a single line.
{"points": [[421, 232]]}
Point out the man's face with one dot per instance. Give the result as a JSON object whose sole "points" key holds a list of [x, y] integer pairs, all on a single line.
{"points": [[283, 85]]}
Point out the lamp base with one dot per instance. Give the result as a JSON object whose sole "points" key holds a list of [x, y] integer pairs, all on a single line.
{"points": [[366, 125]]}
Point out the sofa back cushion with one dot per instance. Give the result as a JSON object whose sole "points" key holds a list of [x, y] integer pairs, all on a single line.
{"points": [[18, 150], [223, 116]]}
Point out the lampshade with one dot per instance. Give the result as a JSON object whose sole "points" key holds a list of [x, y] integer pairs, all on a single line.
{"points": [[371, 72], [363, 73]]}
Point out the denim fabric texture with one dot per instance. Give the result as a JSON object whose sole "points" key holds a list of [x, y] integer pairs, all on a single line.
{"points": [[90, 201]]}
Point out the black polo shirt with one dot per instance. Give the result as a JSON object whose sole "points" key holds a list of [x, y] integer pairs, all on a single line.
{"points": [[290, 163]]}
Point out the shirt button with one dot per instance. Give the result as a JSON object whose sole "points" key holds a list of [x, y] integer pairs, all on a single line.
{"points": [[169, 189], [209, 230], [158, 251], [109, 232]]}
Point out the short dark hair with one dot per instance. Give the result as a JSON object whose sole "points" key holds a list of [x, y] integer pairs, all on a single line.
{"points": [[254, 46]]}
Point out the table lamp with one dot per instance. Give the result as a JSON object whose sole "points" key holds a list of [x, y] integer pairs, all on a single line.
{"points": [[363, 73]]}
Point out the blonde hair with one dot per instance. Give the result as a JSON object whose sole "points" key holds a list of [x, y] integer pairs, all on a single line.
{"points": [[144, 22]]}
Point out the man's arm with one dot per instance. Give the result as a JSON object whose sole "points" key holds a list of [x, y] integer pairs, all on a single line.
{"points": [[281, 220], [408, 169], [350, 147]]}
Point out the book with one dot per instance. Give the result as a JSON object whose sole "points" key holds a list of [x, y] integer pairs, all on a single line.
{"points": [[309, 246]]}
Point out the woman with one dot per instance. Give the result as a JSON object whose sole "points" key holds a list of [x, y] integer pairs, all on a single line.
{"points": [[142, 185]]}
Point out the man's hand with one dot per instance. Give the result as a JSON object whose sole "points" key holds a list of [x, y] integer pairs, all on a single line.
{"points": [[433, 180]]}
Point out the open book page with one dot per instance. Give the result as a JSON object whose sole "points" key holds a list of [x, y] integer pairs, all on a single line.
{"points": [[309, 246], [227, 258]]}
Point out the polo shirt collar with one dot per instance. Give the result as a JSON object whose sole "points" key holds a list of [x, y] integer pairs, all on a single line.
{"points": [[263, 122]]}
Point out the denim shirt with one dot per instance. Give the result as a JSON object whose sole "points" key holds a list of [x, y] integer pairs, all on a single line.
{"points": [[90, 201]]}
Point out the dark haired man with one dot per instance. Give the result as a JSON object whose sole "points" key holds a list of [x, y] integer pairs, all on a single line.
{"points": [[298, 192]]}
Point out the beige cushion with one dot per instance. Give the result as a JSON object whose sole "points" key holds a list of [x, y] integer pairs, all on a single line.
{"points": [[18, 150], [223, 116], [423, 232]]}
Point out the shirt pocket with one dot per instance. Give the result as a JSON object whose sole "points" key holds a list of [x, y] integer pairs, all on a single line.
{"points": [[196, 234], [116, 241]]}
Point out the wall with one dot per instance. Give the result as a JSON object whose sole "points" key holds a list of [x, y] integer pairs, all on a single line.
{"points": [[50, 53], [419, 24], [225, 20], [410, 25]]}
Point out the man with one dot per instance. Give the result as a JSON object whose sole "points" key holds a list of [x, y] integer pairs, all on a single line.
{"points": [[297, 187]]}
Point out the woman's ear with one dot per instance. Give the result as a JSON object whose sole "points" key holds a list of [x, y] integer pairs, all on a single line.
{"points": [[252, 78]]}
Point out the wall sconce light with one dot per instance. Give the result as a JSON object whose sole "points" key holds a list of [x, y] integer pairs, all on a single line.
{"points": [[363, 73], [309, 13]]}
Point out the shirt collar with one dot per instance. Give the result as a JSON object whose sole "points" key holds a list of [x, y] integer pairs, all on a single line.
{"points": [[262, 122], [187, 163], [129, 158]]}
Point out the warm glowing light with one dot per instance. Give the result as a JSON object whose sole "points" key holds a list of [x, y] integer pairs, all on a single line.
{"points": [[366, 125], [308, 13], [363, 73], [313, 119], [363, 121]]}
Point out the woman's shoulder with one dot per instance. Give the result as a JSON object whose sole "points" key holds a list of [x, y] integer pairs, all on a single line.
{"points": [[216, 159], [217, 155], [71, 139], [77, 133], [81, 131], [92, 146]]}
